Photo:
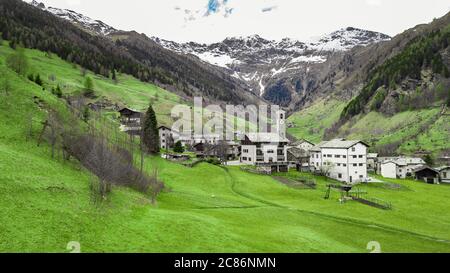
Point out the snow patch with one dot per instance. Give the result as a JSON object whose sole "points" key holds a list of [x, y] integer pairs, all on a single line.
{"points": [[216, 59], [308, 59], [261, 87]]}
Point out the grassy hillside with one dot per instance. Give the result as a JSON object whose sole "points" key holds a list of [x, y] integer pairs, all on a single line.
{"points": [[411, 131], [127, 91], [46, 203], [311, 122]]}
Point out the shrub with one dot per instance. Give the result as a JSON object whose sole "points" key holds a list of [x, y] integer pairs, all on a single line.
{"points": [[178, 147], [38, 80], [88, 87], [18, 62], [57, 91]]}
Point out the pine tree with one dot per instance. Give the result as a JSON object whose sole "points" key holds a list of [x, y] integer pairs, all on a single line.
{"points": [[150, 131], [114, 77], [58, 91], [178, 147], [38, 80]]}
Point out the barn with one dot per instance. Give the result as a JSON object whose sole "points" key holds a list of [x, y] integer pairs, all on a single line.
{"points": [[427, 174]]}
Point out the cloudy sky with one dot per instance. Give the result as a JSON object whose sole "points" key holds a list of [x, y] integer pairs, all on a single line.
{"points": [[214, 20]]}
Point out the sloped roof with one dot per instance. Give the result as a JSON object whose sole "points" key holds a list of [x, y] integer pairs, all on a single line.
{"points": [[338, 143], [396, 162], [372, 155], [425, 168], [129, 110], [403, 161], [297, 152], [342, 143], [442, 168], [266, 137], [317, 147], [301, 141]]}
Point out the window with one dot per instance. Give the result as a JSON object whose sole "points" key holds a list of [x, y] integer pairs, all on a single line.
{"points": [[354, 156], [444, 175], [360, 156], [353, 149], [345, 165], [339, 164], [361, 177], [317, 155], [355, 165], [245, 150], [360, 164], [244, 158], [163, 134], [339, 175], [337, 156], [249, 159], [163, 140], [344, 156], [270, 151]]}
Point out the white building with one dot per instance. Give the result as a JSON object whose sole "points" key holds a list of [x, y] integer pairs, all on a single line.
{"points": [[167, 137], [398, 167], [340, 159], [444, 174], [389, 169], [266, 148], [303, 144], [263, 148]]}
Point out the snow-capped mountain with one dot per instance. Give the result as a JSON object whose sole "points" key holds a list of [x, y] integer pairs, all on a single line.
{"points": [[282, 72], [260, 62], [346, 39], [253, 49], [87, 23]]}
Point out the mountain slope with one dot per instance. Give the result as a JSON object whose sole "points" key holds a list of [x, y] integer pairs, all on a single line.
{"points": [[35, 26], [94, 26], [279, 71], [391, 94]]}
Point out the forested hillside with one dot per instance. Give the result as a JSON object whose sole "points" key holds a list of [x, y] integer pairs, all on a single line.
{"points": [[423, 53], [133, 54], [401, 105]]}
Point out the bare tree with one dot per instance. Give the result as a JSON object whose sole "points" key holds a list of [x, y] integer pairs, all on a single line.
{"points": [[222, 149], [325, 168]]}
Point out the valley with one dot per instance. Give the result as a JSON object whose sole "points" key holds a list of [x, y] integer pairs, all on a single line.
{"points": [[383, 95]]}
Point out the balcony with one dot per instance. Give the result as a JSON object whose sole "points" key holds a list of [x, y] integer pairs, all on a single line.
{"points": [[281, 158]]}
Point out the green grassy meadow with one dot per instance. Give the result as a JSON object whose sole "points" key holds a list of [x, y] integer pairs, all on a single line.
{"points": [[46, 202]]}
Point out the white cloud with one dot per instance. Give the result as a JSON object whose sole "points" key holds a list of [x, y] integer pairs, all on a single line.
{"points": [[184, 20], [375, 3], [73, 3]]}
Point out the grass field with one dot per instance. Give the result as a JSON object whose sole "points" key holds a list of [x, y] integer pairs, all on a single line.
{"points": [[46, 204]]}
